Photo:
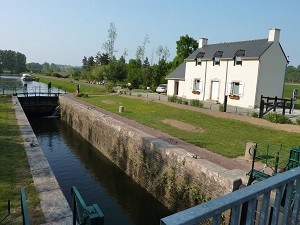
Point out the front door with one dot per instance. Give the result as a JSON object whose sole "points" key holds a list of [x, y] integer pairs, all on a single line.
{"points": [[176, 88], [215, 90]]}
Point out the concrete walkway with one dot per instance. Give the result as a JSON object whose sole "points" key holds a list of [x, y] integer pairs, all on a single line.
{"points": [[54, 204]]}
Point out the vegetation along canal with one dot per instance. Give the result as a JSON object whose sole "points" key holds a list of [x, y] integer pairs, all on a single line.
{"points": [[75, 162]]}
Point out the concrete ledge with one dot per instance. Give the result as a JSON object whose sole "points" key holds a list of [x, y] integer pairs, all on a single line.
{"points": [[54, 204]]}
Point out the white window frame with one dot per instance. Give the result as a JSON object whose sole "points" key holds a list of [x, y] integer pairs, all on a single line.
{"points": [[230, 88], [194, 83]]}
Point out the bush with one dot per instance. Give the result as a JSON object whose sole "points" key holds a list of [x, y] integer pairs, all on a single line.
{"points": [[84, 95], [298, 121], [196, 102], [109, 87], [254, 114], [172, 98], [179, 100], [185, 102], [221, 108], [277, 118]]}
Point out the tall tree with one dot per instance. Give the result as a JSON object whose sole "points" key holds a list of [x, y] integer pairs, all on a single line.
{"points": [[109, 45], [185, 46]]}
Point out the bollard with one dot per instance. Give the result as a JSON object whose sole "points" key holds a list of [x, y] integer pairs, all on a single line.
{"points": [[249, 150], [121, 109]]}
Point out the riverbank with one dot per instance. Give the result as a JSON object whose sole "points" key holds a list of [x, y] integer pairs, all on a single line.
{"points": [[15, 170]]}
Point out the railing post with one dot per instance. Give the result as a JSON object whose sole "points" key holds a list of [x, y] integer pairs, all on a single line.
{"points": [[24, 208], [275, 104], [261, 108]]}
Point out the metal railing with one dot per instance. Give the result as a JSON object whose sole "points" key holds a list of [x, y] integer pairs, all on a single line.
{"points": [[280, 196], [8, 212], [24, 209], [83, 214]]}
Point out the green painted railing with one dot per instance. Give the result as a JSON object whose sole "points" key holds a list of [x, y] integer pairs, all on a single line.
{"points": [[25, 214], [83, 214]]}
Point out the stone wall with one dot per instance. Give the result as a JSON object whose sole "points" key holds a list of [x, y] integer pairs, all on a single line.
{"points": [[169, 173]]}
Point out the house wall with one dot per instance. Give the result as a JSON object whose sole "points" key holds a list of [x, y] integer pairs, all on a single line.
{"points": [[246, 73], [224, 73], [171, 87], [272, 73]]}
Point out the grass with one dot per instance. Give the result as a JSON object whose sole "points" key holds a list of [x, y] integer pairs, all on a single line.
{"points": [[223, 136], [288, 93], [70, 85], [15, 171]]}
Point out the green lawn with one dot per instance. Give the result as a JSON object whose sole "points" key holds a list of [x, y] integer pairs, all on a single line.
{"points": [[223, 136], [288, 93], [70, 85], [15, 171]]}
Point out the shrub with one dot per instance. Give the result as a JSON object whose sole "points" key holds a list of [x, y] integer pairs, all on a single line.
{"points": [[179, 100], [298, 121], [109, 87], [172, 98], [196, 102], [221, 108], [277, 118], [84, 95], [254, 114], [185, 102]]}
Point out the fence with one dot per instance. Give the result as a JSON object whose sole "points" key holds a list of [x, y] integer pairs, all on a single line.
{"points": [[268, 103], [272, 191]]}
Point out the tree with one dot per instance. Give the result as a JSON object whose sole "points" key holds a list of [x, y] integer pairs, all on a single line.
{"points": [[109, 45], [185, 46]]}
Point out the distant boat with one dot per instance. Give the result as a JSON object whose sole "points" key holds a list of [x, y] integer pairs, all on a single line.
{"points": [[27, 77]]}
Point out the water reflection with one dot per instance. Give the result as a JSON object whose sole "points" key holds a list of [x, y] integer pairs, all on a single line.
{"points": [[75, 162], [10, 84]]}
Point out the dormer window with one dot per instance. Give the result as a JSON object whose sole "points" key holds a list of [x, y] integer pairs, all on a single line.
{"points": [[216, 58], [199, 57], [238, 57], [216, 61]]}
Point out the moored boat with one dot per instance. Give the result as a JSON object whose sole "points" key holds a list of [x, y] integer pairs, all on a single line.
{"points": [[27, 77]]}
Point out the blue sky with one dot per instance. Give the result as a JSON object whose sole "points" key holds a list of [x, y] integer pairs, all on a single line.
{"points": [[64, 31]]}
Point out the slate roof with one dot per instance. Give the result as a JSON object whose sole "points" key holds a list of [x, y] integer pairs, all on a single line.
{"points": [[253, 49], [178, 73]]}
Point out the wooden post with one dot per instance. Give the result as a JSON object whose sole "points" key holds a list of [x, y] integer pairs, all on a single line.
{"points": [[261, 108], [275, 104], [283, 107]]}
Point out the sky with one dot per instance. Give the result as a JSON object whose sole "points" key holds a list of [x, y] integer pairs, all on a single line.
{"points": [[64, 31]]}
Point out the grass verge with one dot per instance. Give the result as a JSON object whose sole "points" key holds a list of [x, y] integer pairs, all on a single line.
{"points": [[69, 85], [15, 171], [223, 136]]}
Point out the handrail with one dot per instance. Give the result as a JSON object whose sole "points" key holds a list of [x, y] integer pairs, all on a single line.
{"points": [[24, 209], [248, 195], [8, 211], [83, 214]]}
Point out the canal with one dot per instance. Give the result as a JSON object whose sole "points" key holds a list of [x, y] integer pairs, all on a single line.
{"points": [[75, 162]]}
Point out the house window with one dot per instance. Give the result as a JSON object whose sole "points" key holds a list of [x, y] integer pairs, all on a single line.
{"points": [[238, 60], [235, 88], [198, 58], [196, 84], [198, 62], [216, 61], [216, 58], [238, 57]]}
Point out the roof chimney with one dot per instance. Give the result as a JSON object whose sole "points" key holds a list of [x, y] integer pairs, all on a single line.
{"points": [[202, 42], [274, 34]]}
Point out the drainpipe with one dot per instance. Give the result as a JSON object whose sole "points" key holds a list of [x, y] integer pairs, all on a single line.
{"points": [[204, 88], [257, 84], [226, 79]]}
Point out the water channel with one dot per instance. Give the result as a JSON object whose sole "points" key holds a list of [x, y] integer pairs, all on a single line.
{"points": [[75, 162]]}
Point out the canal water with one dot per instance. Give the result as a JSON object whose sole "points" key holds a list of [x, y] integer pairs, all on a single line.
{"points": [[75, 162], [13, 83]]}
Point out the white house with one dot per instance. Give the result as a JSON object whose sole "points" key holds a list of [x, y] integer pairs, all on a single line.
{"points": [[242, 70]]}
